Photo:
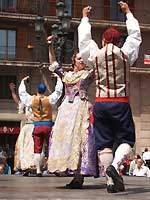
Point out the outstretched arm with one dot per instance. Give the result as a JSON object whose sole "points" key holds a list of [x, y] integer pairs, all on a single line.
{"points": [[133, 41], [13, 93], [54, 66], [54, 97], [87, 47], [52, 59], [50, 41], [24, 96]]}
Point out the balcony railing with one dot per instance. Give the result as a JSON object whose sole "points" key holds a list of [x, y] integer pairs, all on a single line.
{"points": [[30, 53], [100, 11], [28, 7], [18, 54]]}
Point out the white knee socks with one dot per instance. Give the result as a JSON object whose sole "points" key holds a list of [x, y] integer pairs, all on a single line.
{"points": [[37, 158], [120, 155], [105, 159]]}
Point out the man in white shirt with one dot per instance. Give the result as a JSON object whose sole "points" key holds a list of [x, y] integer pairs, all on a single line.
{"points": [[133, 164], [42, 110], [113, 122], [141, 170], [146, 157]]}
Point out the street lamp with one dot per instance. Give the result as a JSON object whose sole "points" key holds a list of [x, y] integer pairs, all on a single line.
{"points": [[39, 30], [41, 49], [60, 9], [60, 30], [39, 24], [66, 20]]}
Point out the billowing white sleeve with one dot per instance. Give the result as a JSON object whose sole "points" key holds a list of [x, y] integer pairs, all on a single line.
{"points": [[133, 41], [87, 47], [54, 97], [24, 96]]}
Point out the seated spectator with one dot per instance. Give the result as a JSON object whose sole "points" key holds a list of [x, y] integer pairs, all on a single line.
{"points": [[141, 170], [4, 167], [1, 168], [146, 157], [10, 160], [124, 168], [133, 164], [1, 151]]}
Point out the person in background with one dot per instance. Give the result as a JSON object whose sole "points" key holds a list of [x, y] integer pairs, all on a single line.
{"points": [[124, 168], [140, 169], [42, 115], [24, 148], [146, 157], [1, 150], [10, 159], [113, 121], [133, 164], [4, 167], [20, 105], [1, 169]]}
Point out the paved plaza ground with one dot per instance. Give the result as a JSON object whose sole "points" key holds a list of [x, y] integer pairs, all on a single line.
{"points": [[52, 188]]}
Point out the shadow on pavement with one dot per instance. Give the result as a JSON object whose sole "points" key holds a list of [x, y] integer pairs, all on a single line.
{"points": [[89, 187], [134, 190]]}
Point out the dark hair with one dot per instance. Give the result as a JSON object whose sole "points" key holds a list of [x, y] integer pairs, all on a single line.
{"points": [[138, 156], [73, 57], [146, 149]]}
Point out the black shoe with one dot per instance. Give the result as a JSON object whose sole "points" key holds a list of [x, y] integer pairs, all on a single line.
{"points": [[74, 185], [117, 179], [27, 173], [111, 189], [39, 175]]}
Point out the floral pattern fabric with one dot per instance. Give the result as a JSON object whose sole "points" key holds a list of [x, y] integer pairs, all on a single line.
{"points": [[72, 141]]}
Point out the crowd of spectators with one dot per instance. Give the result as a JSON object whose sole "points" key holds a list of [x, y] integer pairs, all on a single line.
{"points": [[6, 161], [138, 166]]}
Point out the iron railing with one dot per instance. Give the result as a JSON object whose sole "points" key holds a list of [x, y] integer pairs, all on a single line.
{"points": [[100, 11]]}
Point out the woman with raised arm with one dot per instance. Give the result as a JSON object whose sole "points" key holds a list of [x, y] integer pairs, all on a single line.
{"points": [[72, 144], [24, 148]]}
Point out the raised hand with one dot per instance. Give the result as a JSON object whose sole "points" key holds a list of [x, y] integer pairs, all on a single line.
{"points": [[25, 78], [86, 11], [12, 86], [50, 39], [124, 7]]}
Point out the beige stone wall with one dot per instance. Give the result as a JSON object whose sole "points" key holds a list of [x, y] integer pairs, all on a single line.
{"points": [[140, 103]]}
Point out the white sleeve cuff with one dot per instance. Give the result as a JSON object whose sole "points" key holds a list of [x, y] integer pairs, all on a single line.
{"points": [[53, 66]]}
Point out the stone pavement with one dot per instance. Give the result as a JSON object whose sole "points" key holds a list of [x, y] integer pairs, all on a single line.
{"points": [[52, 188]]}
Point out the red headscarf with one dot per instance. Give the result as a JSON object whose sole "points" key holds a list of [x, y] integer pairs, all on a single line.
{"points": [[111, 35]]}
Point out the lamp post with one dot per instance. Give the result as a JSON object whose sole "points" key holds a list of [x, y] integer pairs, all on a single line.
{"points": [[39, 30], [41, 49], [60, 30]]}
